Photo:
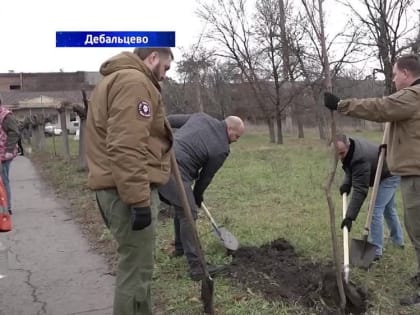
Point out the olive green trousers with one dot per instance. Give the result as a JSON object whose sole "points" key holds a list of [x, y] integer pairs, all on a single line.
{"points": [[136, 251], [410, 191]]}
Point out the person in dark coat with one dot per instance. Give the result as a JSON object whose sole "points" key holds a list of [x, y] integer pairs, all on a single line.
{"points": [[21, 151], [201, 144], [360, 160]]}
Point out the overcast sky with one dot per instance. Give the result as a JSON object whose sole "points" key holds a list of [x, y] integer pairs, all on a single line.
{"points": [[27, 29]]}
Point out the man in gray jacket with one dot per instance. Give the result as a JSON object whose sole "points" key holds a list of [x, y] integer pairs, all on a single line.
{"points": [[360, 160], [201, 146], [402, 109]]}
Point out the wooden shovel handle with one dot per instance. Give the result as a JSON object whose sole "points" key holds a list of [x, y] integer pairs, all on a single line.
{"points": [[208, 214], [187, 212], [377, 180]]}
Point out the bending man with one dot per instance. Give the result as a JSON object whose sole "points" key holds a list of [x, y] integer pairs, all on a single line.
{"points": [[201, 146]]}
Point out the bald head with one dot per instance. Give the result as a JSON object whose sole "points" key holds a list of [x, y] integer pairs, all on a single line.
{"points": [[235, 128]]}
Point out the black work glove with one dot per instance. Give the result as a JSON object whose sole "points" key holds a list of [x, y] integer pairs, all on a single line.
{"points": [[347, 222], [140, 218], [331, 101], [345, 189], [382, 146], [198, 199]]}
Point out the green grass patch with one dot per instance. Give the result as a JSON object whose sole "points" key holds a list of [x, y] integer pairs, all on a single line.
{"points": [[263, 192]]}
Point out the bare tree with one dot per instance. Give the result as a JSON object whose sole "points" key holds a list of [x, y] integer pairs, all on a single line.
{"points": [[386, 27], [61, 109], [173, 95], [274, 32], [218, 84], [231, 30], [193, 68], [258, 49], [268, 32], [290, 63], [415, 45], [36, 124], [81, 111], [310, 52], [331, 174]]}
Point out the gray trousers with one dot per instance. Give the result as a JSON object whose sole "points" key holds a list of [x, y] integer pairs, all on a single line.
{"points": [[184, 238], [410, 191]]}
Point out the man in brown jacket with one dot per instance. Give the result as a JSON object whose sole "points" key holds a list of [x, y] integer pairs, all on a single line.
{"points": [[402, 109], [128, 140]]}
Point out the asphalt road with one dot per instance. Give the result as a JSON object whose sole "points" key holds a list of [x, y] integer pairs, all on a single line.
{"points": [[51, 268]]}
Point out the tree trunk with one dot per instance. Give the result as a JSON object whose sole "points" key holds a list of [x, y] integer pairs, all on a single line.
{"points": [[82, 113], [384, 54], [288, 125], [279, 130], [197, 86], [82, 155], [270, 124], [322, 125], [64, 133], [35, 137], [319, 115], [40, 137], [299, 123], [297, 117]]}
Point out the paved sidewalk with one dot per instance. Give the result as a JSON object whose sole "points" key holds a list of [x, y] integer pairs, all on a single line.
{"points": [[51, 269]]}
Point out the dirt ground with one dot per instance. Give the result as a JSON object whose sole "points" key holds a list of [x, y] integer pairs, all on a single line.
{"points": [[278, 273]]}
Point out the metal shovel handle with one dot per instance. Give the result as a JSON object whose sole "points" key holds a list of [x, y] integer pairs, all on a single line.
{"points": [[376, 181]]}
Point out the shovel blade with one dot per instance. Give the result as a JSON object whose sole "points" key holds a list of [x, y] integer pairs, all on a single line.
{"points": [[362, 253], [353, 295], [228, 240]]}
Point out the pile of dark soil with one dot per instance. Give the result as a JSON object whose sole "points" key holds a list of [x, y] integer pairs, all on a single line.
{"points": [[278, 273]]}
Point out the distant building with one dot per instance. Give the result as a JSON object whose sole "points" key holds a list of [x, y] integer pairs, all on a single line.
{"points": [[43, 92], [31, 103], [48, 81]]}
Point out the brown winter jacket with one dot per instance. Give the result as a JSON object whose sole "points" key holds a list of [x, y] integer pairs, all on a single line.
{"points": [[128, 138], [402, 109]]}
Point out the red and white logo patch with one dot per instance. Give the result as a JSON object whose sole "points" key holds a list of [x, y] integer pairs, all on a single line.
{"points": [[144, 109]]}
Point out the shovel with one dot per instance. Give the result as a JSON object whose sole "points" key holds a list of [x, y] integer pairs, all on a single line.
{"points": [[362, 252], [346, 265], [353, 294], [227, 238], [207, 284]]}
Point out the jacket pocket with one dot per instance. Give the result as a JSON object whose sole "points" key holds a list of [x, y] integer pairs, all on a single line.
{"points": [[155, 149]]}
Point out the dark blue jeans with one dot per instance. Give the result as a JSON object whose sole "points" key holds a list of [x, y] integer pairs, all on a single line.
{"points": [[385, 208]]}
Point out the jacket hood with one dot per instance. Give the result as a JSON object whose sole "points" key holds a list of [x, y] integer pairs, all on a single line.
{"points": [[124, 61]]}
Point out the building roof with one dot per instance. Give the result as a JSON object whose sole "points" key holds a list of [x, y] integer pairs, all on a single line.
{"points": [[22, 99]]}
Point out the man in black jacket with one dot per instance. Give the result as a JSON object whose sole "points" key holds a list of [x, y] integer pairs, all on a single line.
{"points": [[360, 159], [201, 146]]}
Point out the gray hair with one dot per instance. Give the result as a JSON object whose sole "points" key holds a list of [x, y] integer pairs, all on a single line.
{"points": [[342, 138]]}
